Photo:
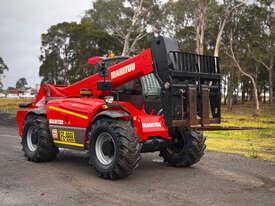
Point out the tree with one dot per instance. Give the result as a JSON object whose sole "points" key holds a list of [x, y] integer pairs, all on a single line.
{"points": [[66, 48], [227, 9], [243, 72], [1, 86], [21, 83], [180, 23], [247, 42], [238, 34], [3, 68], [192, 21], [56, 53], [265, 20], [126, 20], [87, 40]]}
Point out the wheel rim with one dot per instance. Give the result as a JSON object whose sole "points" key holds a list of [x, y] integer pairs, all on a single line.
{"points": [[105, 148], [31, 139]]}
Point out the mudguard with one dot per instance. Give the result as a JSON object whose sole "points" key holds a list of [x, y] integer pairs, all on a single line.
{"points": [[111, 113], [37, 111], [23, 113]]}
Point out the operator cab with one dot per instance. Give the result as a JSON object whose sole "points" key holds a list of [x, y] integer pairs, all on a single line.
{"points": [[143, 92]]}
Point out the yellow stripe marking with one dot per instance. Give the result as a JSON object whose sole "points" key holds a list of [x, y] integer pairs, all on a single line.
{"points": [[68, 112], [69, 143]]}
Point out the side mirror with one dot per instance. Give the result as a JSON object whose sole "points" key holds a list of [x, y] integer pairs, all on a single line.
{"points": [[103, 70]]}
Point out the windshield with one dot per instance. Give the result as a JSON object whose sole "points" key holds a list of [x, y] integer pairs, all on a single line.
{"points": [[147, 85]]}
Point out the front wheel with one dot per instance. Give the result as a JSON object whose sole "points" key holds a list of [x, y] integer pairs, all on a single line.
{"points": [[185, 149], [37, 143], [114, 148]]}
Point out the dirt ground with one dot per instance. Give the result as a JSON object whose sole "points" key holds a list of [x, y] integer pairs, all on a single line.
{"points": [[218, 179]]}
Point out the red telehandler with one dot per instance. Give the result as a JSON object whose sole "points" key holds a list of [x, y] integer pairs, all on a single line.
{"points": [[159, 100]]}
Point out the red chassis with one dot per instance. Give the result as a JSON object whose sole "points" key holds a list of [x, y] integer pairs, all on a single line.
{"points": [[67, 108]]}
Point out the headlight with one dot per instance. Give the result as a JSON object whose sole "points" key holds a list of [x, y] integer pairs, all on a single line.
{"points": [[109, 99]]}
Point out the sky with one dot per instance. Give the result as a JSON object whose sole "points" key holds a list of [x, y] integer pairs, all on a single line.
{"points": [[21, 24]]}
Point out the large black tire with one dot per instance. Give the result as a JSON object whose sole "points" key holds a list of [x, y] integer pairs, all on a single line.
{"points": [[43, 148], [125, 154], [186, 148]]}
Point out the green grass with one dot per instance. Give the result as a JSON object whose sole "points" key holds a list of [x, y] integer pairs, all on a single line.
{"points": [[251, 143]]}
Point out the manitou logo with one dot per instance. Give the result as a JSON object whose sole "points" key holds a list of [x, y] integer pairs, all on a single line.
{"points": [[123, 70], [151, 124], [56, 121]]}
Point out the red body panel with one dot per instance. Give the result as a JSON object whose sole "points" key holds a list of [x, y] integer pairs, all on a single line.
{"points": [[87, 107], [144, 124], [80, 111]]}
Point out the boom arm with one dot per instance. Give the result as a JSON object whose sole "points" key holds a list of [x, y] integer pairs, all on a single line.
{"points": [[119, 74], [130, 69]]}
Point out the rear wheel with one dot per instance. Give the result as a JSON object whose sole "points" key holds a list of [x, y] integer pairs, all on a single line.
{"points": [[36, 140], [186, 148], [114, 148]]}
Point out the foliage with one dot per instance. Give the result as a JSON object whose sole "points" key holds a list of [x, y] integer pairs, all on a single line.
{"points": [[127, 20], [3, 67], [66, 48], [21, 83]]}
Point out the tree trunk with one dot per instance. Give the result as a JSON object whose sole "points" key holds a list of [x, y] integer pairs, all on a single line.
{"points": [[200, 28], [269, 68], [227, 13], [230, 93], [224, 91], [219, 38], [126, 45], [66, 66], [255, 90], [133, 35], [256, 98], [264, 94], [243, 93], [271, 100]]}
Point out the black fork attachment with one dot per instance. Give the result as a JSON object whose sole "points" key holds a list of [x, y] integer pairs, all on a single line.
{"points": [[190, 85]]}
